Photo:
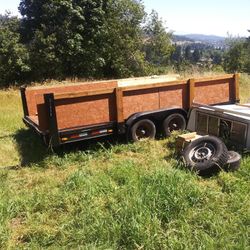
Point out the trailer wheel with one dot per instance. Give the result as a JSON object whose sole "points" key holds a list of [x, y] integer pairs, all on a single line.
{"points": [[205, 154], [174, 122], [234, 160], [143, 129]]}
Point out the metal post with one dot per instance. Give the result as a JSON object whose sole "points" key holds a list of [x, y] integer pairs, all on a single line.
{"points": [[51, 112], [24, 101]]}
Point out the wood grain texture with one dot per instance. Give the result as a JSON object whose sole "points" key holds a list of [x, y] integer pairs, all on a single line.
{"points": [[191, 92], [140, 100], [173, 96], [92, 104], [70, 95], [215, 78], [84, 111], [237, 87], [215, 92], [119, 105], [154, 85], [34, 95]]}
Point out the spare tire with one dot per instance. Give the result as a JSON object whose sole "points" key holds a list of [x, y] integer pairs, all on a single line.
{"points": [[174, 122], [205, 153], [233, 162], [143, 129]]}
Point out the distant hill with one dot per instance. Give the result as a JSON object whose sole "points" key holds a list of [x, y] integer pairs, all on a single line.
{"points": [[205, 38], [212, 40], [180, 38]]}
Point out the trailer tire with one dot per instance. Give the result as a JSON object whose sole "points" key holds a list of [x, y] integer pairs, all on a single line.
{"points": [[143, 129], [174, 122], [234, 160], [206, 154]]}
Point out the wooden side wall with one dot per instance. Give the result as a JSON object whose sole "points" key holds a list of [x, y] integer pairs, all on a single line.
{"points": [[84, 111], [93, 104], [154, 98], [214, 92], [34, 96]]}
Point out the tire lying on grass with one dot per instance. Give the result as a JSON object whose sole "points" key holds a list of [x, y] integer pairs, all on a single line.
{"points": [[143, 129], [233, 162], [206, 154]]}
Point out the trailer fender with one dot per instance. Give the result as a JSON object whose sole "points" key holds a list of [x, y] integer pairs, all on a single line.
{"points": [[156, 116]]}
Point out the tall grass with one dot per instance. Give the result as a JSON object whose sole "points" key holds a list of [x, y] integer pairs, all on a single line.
{"points": [[113, 195], [245, 88]]}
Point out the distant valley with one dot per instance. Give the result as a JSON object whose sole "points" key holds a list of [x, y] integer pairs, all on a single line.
{"points": [[215, 41]]}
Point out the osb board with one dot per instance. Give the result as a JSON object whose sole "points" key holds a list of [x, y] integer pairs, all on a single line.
{"points": [[155, 98], [214, 92], [174, 96], [147, 80], [140, 100], [84, 111], [102, 108], [34, 95], [43, 123]]}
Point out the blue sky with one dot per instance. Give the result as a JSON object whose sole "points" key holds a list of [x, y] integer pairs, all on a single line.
{"points": [[217, 17], [207, 17]]}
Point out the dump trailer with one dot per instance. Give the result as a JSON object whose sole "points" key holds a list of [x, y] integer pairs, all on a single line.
{"points": [[135, 107]]}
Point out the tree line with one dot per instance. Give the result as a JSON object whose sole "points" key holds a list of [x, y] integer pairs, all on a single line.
{"points": [[97, 39], [81, 38], [237, 57]]}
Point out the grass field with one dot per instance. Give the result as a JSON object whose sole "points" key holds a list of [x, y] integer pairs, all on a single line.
{"points": [[114, 195]]}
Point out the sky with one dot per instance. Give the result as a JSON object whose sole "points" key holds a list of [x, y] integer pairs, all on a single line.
{"points": [[210, 17]]}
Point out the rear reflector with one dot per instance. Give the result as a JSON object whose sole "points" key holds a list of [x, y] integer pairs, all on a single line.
{"points": [[64, 139], [93, 133], [74, 136]]}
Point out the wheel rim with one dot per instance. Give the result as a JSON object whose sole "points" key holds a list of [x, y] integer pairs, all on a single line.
{"points": [[202, 153], [142, 132], [230, 156], [175, 124]]}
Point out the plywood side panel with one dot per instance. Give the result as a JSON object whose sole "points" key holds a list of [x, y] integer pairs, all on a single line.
{"points": [[33, 93], [174, 96], [140, 100], [43, 123], [85, 111], [233, 90], [101, 108], [214, 92]]}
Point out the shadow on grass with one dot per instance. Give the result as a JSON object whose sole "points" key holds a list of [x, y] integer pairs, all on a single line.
{"points": [[33, 151], [30, 147], [90, 146]]}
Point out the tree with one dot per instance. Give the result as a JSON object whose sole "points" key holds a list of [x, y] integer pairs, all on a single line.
{"points": [[122, 43], [247, 55], [217, 57], [84, 38], [157, 42], [234, 57], [14, 58], [63, 36], [196, 55], [176, 56], [188, 54]]}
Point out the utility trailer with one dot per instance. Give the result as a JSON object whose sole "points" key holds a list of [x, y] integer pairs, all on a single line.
{"points": [[137, 107]]}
